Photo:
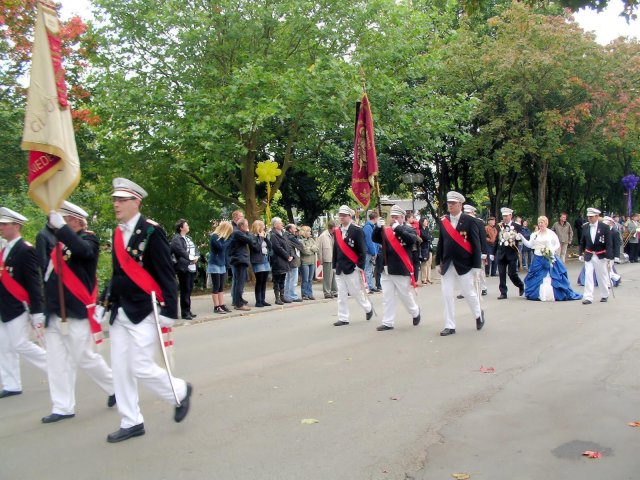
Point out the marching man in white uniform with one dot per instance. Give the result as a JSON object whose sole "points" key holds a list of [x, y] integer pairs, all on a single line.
{"points": [[596, 247], [398, 277], [142, 264], [71, 344], [459, 258], [20, 303], [349, 254]]}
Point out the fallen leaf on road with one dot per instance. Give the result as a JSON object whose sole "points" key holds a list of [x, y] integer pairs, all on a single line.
{"points": [[634, 424], [591, 454], [309, 421], [487, 369], [461, 476], [395, 398]]}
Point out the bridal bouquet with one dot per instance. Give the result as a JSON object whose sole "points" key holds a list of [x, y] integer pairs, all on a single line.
{"points": [[549, 255]]}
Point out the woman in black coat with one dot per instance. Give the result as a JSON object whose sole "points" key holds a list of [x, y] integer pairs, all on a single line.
{"points": [[281, 255]]}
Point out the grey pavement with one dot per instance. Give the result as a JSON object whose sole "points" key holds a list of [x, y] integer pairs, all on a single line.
{"points": [[402, 404]]}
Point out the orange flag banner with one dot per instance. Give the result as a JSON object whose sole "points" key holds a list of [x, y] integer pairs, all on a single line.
{"points": [[54, 166], [365, 159]]}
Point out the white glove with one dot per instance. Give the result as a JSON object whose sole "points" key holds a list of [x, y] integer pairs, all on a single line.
{"points": [[166, 321], [483, 256], [581, 258], [519, 237], [37, 319], [56, 220], [492, 258], [395, 224], [381, 222], [98, 314]]}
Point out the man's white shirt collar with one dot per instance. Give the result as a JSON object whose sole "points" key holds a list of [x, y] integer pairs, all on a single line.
{"points": [[8, 246]]}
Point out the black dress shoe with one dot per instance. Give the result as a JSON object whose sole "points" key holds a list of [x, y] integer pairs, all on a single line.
{"points": [[369, 314], [244, 301], [111, 401], [521, 291], [286, 301], [460, 296], [311, 298], [193, 314], [56, 417], [383, 328], [603, 300], [447, 331], [183, 409], [328, 295], [265, 304], [126, 433], [416, 320], [480, 321], [259, 304], [586, 302], [484, 293], [298, 300], [340, 323], [10, 393], [502, 296], [187, 317]]}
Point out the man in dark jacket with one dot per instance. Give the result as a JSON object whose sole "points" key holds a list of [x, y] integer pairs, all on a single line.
{"points": [[291, 279], [398, 276], [185, 256], [281, 255], [459, 258], [349, 253], [507, 252], [239, 260]]}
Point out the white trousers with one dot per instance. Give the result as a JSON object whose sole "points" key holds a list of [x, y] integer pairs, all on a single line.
{"points": [[14, 341], [353, 285], [465, 283], [133, 347], [400, 286], [600, 267], [67, 353]]}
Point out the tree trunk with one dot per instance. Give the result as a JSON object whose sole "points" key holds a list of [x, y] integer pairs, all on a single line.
{"points": [[542, 187]]}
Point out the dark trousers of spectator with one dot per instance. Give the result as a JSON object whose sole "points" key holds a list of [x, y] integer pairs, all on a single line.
{"points": [[185, 283], [379, 269], [261, 287], [633, 252], [239, 280], [491, 267], [415, 259], [278, 283]]}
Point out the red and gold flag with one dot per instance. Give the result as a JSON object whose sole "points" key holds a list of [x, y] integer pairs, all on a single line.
{"points": [[54, 167], [365, 160]]}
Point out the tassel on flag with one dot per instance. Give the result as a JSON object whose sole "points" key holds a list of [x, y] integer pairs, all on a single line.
{"points": [[54, 166], [365, 160]]}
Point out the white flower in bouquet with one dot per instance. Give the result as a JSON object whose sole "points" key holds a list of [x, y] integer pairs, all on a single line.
{"points": [[549, 255]]}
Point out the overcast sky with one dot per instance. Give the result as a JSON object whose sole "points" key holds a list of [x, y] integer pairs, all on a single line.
{"points": [[607, 25]]}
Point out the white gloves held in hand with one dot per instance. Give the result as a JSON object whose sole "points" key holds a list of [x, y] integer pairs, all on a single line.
{"points": [[381, 222], [37, 319], [395, 224], [484, 256], [56, 220], [492, 258], [98, 314], [581, 258]]}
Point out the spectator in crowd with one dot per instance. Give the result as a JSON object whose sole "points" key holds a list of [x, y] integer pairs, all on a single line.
{"points": [[185, 257], [282, 254], [325, 257], [217, 264], [563, 230], [526, 252], [240, 261], [415, 248], [291, 279], [632, 229], [578, 223], [492, 238], [372, 251], [425, 252], [260, 261], [307, 262]]}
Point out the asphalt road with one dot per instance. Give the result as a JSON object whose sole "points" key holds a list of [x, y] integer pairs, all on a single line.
{"points": [[402, 404]]}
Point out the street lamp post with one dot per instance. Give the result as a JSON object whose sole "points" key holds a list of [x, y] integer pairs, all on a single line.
{"points": [[413, 179]]}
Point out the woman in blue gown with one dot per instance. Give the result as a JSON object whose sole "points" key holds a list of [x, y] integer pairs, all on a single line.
{"points": [[547, 279]]}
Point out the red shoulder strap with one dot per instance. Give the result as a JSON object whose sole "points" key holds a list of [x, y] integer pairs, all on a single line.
{"points": [[134, 270], [402, 253], [11, 284], [455, 235], [346, 249]]}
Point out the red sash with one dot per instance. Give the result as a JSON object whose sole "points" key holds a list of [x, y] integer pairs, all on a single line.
{"points": [[78, 289], [402, 253], [12, 286], [140, 277], [346, 249], [455, 235]]}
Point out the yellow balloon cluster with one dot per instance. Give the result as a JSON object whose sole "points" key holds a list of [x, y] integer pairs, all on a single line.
{"points": [[267, 171]]}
